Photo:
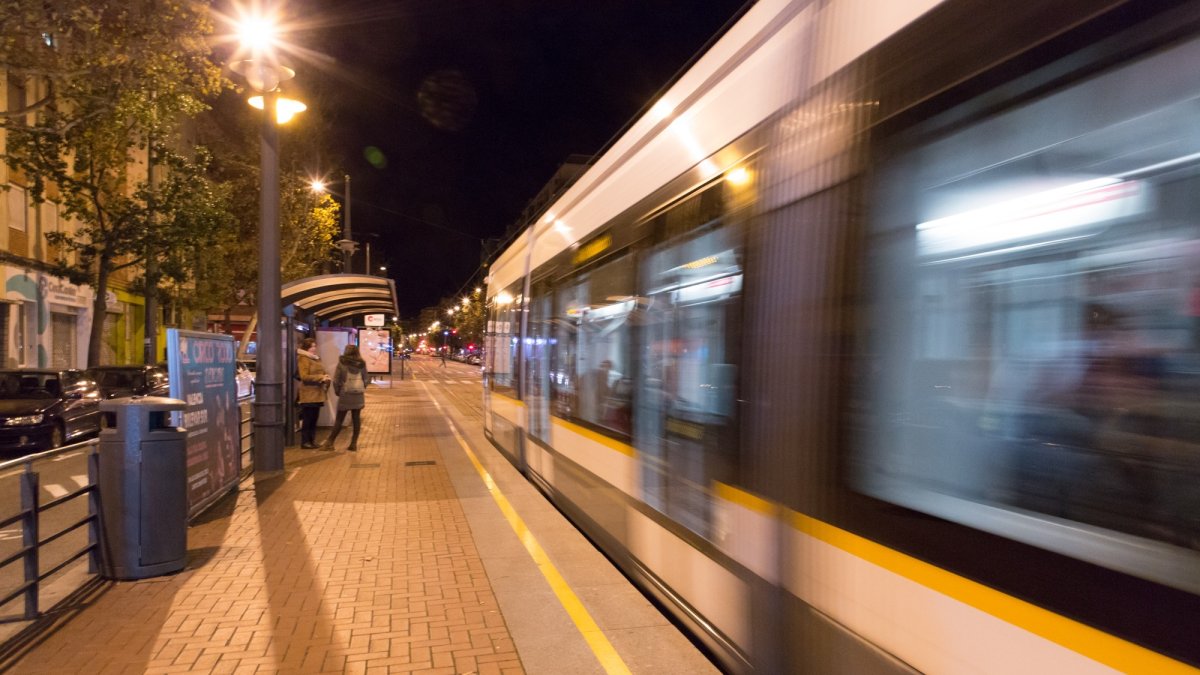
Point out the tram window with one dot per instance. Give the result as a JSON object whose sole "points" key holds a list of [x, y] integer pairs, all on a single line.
{"points": [[537, 349], [1035, 316], [503, 330], [686, 427], [591, 375]]}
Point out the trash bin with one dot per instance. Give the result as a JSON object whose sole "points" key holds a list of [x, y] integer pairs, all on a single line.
{"points": [[143, 489]]}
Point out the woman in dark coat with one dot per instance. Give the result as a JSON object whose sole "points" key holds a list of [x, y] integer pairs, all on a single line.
{"points": [[350, 384]]}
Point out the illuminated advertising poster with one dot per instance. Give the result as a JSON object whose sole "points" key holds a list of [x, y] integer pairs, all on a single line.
{"points": [[201, 367], [375, 346]]}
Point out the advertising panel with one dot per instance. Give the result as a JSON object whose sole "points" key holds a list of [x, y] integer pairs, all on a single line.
{"points": [[201, 367], [375, 346], [331, 344]]}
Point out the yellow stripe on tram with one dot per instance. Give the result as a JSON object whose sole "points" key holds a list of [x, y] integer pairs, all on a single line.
{"points": [[609, 659], [1095, 644]]}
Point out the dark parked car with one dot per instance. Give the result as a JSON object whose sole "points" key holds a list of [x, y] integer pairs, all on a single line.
{"points": [[131, 380], [135, 380], [43, 409]]}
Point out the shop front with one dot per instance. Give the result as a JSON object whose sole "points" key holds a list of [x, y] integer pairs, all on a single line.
{"points": [[45, 320]]}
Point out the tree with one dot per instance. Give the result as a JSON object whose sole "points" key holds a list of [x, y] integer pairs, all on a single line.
{"points": [[308, 227], [308, 221], [472, 320], [116, 81]]}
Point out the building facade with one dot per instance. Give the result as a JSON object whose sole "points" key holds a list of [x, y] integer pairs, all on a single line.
{"points": [[45, 320]]}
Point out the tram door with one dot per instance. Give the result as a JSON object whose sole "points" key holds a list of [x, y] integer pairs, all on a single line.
{"points": [[685, 429]]}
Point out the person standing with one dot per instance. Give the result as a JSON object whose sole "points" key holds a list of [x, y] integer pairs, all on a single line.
{"points": [[314, 383], [350, 385]]}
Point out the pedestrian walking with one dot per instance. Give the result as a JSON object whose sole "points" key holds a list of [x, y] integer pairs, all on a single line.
{"points": [[350, 384], [314, 385], [443, 359]]}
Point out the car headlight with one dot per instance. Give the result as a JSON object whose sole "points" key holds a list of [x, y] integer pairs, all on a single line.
{"points": [[24, 420]]}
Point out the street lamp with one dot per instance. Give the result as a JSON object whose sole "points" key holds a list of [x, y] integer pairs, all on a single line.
{"points": [[263, 74], [285, 108]]}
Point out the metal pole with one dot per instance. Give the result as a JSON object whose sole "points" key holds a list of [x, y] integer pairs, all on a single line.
{"points": [[150, 342], [30, 539], [268, 387], [347, 252], [289, 388], [368, 270]]}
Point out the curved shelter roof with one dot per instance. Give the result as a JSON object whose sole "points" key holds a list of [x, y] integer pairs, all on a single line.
{"points": [[333, 297]]}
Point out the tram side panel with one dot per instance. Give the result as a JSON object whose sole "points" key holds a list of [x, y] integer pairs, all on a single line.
{"points": [[755, 332]]}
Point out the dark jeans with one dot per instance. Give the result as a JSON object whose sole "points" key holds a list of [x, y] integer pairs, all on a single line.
{"points": [[355, 421], [309, 412]]}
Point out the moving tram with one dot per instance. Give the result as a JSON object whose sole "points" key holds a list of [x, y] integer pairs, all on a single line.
{"points": [[873, 345]]}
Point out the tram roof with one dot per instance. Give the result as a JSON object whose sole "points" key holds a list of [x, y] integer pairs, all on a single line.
{"points": [[334, 297]]}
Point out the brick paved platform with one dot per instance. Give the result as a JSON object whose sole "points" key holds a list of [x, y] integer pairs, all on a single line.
{"points": [[366, 563]]}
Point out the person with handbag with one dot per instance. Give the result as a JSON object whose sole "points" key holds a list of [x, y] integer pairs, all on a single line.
{"points": [[350, 384], [314, 383]]}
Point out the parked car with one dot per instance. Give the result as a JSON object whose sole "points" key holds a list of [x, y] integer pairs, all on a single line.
{"points": [[244, 376], [44, 409], [130, 380]]}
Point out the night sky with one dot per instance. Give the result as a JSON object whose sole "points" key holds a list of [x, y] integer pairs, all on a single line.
{"points": [[450, 115]]}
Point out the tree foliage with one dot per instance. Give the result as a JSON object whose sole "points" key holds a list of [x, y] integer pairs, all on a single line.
{"points": [[116, 84], [309, 222], [472, 320], [113, 83]]}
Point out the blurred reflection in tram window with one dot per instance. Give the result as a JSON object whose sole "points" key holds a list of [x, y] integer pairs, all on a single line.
{"points": [[1035, 313], [686, 428], [592, 345]]}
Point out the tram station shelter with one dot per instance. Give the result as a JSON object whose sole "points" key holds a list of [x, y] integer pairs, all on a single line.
{"points": [[338, 297]]}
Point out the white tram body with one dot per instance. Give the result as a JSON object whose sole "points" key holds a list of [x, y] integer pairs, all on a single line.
{"points": [[870, 346]]}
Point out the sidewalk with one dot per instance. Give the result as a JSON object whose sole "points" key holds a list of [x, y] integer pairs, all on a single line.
{"points": [[361, 562]]}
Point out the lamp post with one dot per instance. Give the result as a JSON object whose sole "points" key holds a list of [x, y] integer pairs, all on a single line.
{"points": [[347, 243], [263, 74]]}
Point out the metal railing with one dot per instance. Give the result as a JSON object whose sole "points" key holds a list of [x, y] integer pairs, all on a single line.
{"points": [[246, 434], [29, 517]]}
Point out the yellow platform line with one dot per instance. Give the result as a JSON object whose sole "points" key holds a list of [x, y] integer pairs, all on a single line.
{"points": [[605, 653]]}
